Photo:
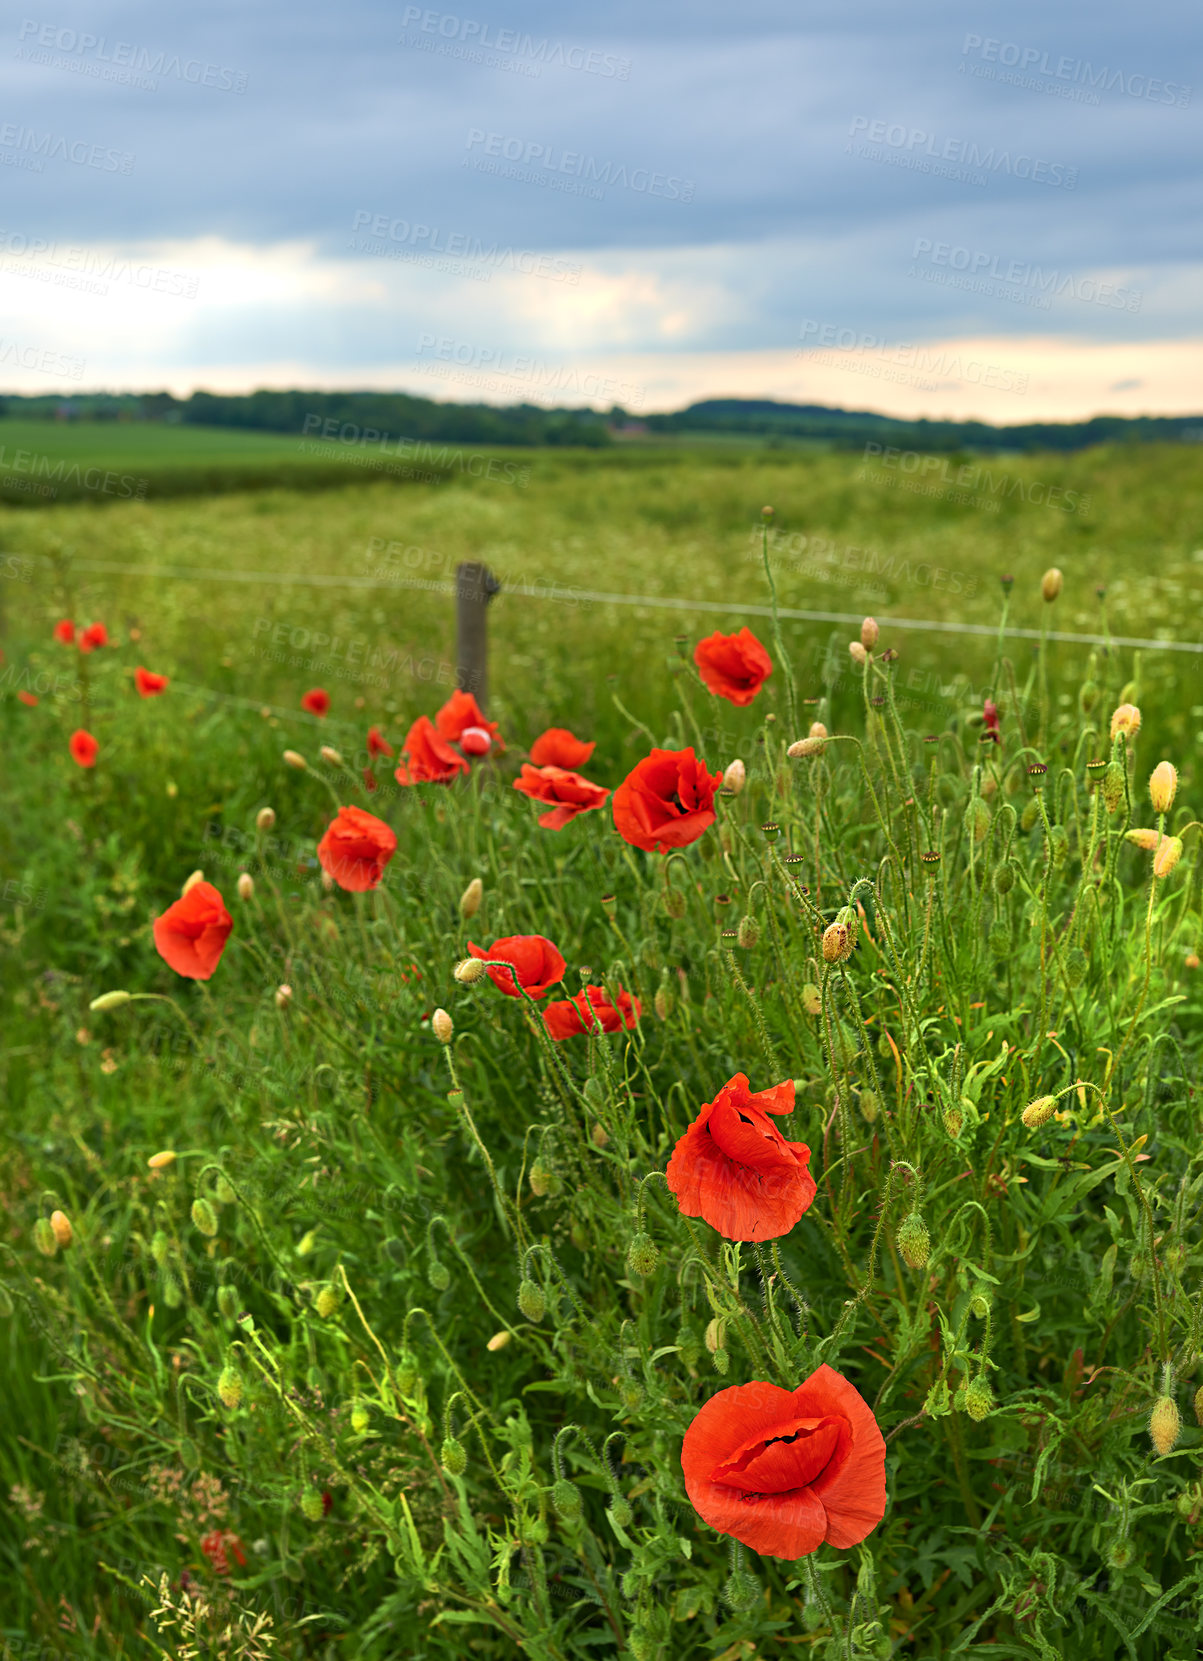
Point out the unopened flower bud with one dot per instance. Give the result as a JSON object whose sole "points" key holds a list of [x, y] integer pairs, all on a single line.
{"points": [[1165, 1424], [440, 1025], [326, 1302], [1191, 960], [44, 1237], [979, 1306], [977, 819], [1050, 584], [1199, 1404], [330, 755], [469, 971], [312, 1505], [265, 818], [197, 876], [812, 999], [954, 1119], [283, 996], [642, 1254], [1038, 1113], [1113, 786], [1076, 965], [858, 653], [803, 747], [868, 633], [328, 881], [160, 1161], [979, 1398], [1146, 839], [439, 1275], [531, 1301], [63, 1232], [735, 777], [716, 1338], [360, 1418], [837, 943], [662, 1003], [204, 1217], [110, 1000], [1169, 852], [674, 901], [294, 758], [229, 1386], [869, 1106], [914, 1242], [1125, 720], [407, 1372], [766, 514], [620, 1511], [452, 1457], [227, 1301], [246, 885], [566, 1497], [748, 932], [497, 1342], [160, 1247], [470, 899], [540, 1178], [1029, 815], [1163, 786]]}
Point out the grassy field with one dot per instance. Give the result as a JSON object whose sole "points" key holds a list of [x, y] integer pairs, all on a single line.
{"points": [[370, 1368]]}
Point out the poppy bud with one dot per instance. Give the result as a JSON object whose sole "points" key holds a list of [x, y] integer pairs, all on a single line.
{"points": [[265, 818], [1191, 960], [674, 901], [977, 819], [531, 1301], [979, 1305], [766, 514], [160, 1247], [452, 1456], [1199, 1404], [914, 1242], [662, 1003], [812, 1000], [159, 1161], [1146, 839], [954, 1118], [802, 747], [716, 1338], [470, 899], [329, 754], [246, 885], [469, 971], [326, 1302], [999, 940], [600, 1135], [1165, 1424], [197, 876], [642, 1254], [1050, 584], [979, 1398], [1038, 1113], [630, 1394], [44, 1237], [858, 653], [837, 943], [440, 1025], [1029, 815], [229, 1386], [566, 1497], [328, 881], [1076, 965], [1058, 844], [63, 1232], [620, 1511], [1163, 786], [407, 1372], [294, 758], [311, 1505], [497, 1342], [748, 932], [868, 1106], [1004, 878], [735, 777], [439, 1275], [1126, 720], [741, 1590], [283, 996], [110, 1000], [204, 1217], [1113, 786], [227, 1301], [1169, 852], [360, 1418]]}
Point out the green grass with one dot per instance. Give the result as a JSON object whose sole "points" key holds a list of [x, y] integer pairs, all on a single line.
{"points": [[1065, 1261]]}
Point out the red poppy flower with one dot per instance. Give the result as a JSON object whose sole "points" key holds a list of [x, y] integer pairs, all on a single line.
{"points": [[733, 666], [355, 849], [83, 747], [734, 1168], [378, 744], [65, 632], [565, 793], [316, 701], [218, 1544], [537, 963], [94, 635], [557, 747], [428, 759], [369, 779], [569, 1016], [191, 935], [462, 710], [29, 698], [990, 719], [783, 1470], [475, 741], [666, 802], [148, 683]]}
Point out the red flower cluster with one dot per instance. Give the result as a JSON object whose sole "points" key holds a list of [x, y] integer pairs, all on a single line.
{"points": [[537, 964], [591, 1011], [565, 794], [216, 1547], [191, 935], [316, 702], [427, 750], [666, 802], [733, 666], [783, 1471], [148, 683], [734, 1168], [355, 849], [88, 639]]}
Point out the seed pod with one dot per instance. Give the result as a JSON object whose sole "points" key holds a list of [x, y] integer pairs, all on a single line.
{"points": [[469, 971], [979, 1398], [1038, 1112], [312, 1505], [44, 1237], [1076, 965], [1004, 878], [749, 931], [837, 943], [914, 1242], [265, 819], [812, 1000], [1163, 786], [326, 1301], [977, 819], [204, 1217], [735, 777], [440, 1025], [1165, 1424], [452, 1457], [642, 1254], [531, 1300], [229, 1386], [1050, 584], [439, 1275], [227, 1301], [566, 1497], [470, 899], [245, 885]]}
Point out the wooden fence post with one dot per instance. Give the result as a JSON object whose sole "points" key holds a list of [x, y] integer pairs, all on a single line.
{"points": [[475, 586]]}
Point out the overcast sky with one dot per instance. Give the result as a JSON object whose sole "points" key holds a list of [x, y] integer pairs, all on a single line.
{"points": [[942, 209]]}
